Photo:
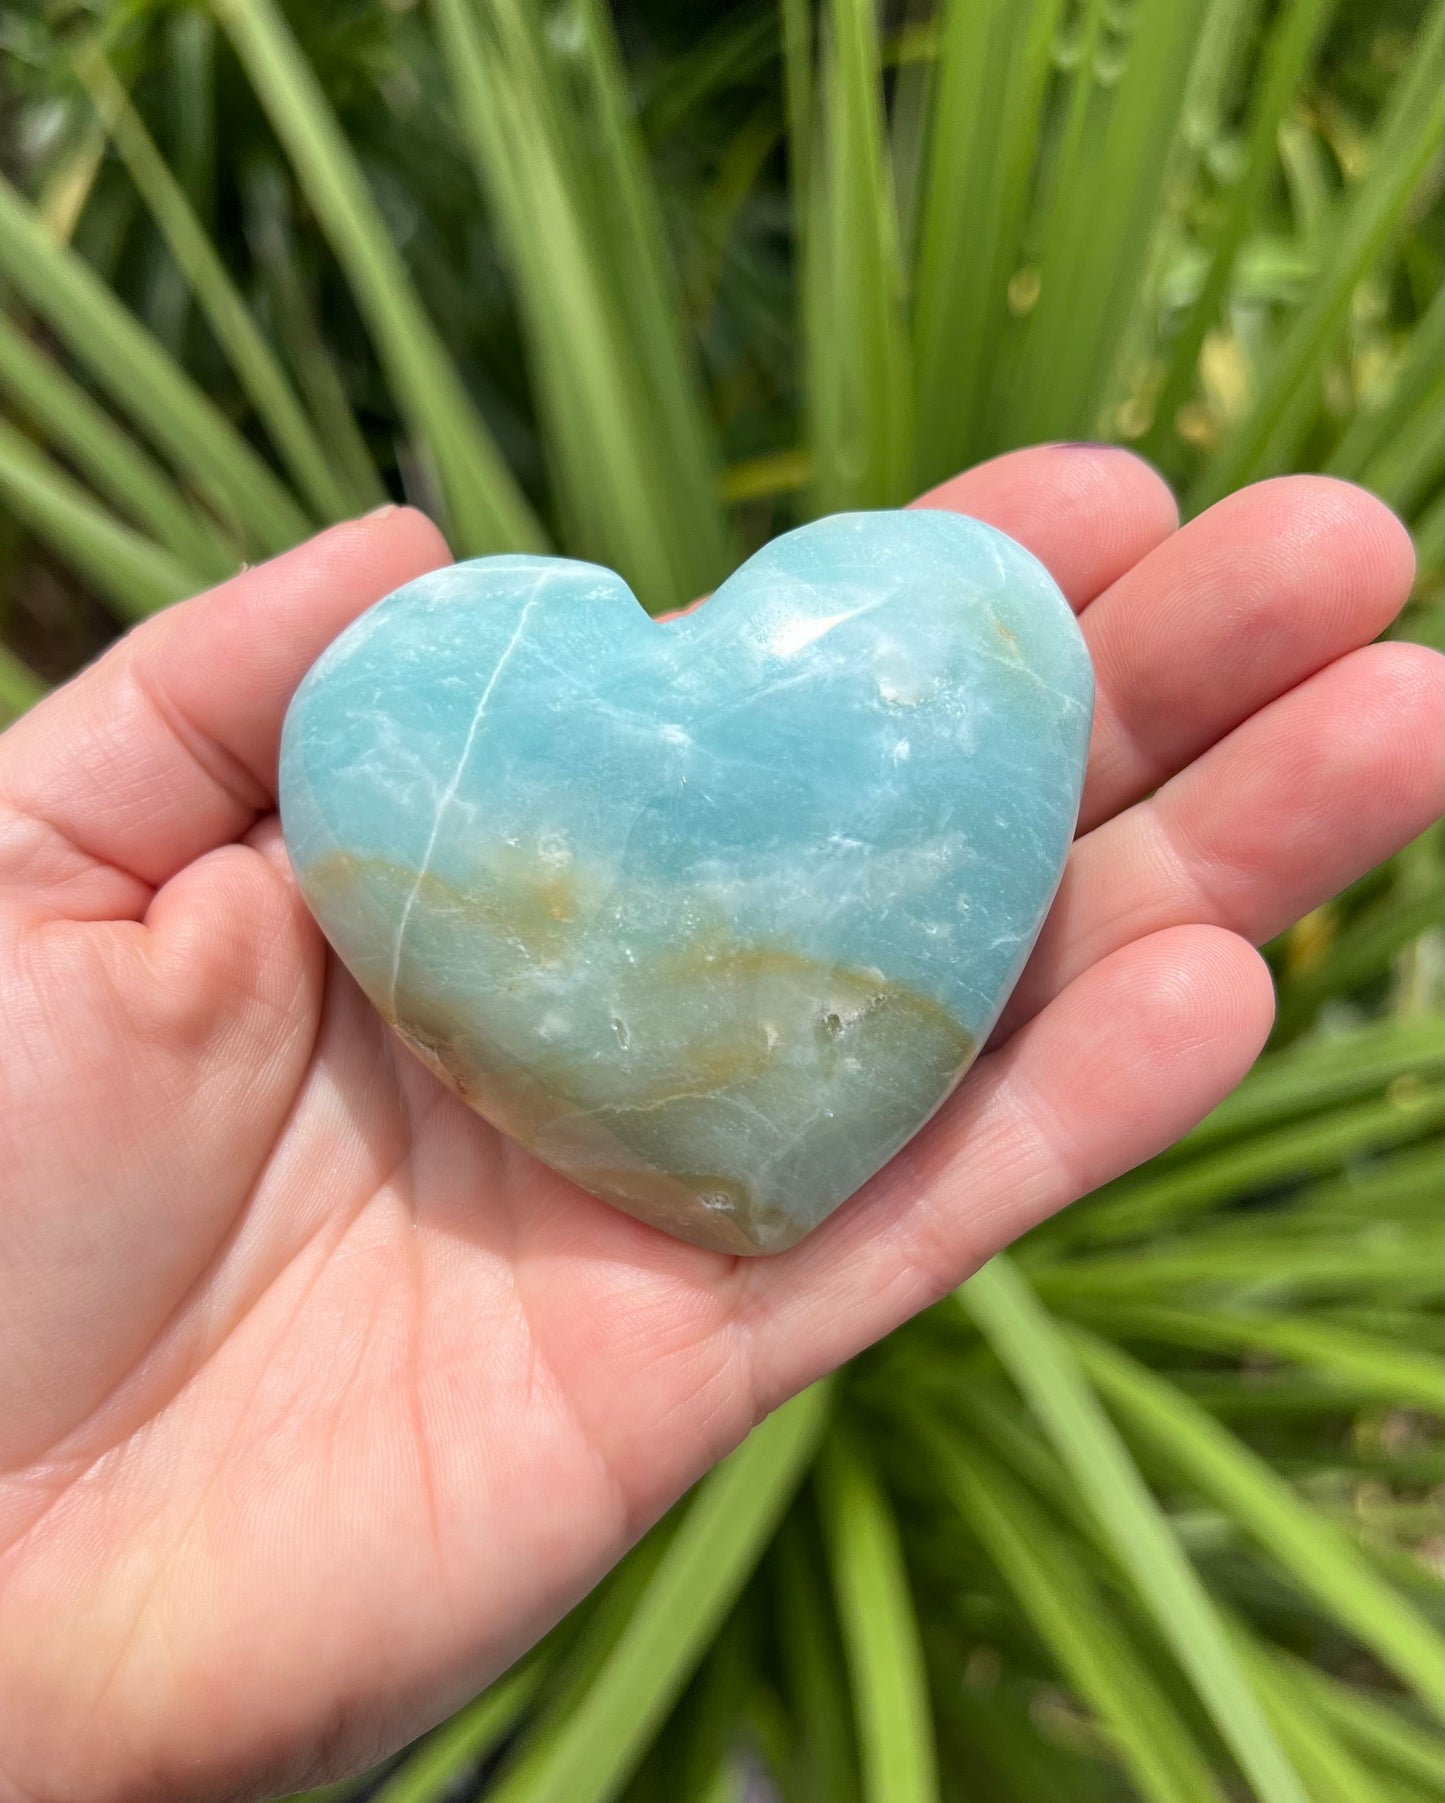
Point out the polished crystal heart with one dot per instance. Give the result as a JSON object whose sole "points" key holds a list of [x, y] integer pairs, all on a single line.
{"points": [[711, 915]]}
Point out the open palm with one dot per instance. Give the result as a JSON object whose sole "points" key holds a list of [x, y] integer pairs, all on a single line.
{"points": [[321, 1402]]}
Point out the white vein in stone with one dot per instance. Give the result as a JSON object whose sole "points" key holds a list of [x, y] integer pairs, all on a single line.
{"points": [[449, 793]]}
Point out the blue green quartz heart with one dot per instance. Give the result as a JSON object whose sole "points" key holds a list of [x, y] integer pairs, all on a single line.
{"points": [[712, 914]]}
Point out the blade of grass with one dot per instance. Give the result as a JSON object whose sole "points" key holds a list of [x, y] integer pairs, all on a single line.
{"points": [[992, 1736], [733, 51], [1304, 1543], [716, 215], [956, 269], [1429, 534], [1351, 1262], [1371, 1724], [650, 305], [340, 1792], [191, 89], [1104, 217], [1366, 947], [450, 1754], [709, 1724], [85, 434], [975, 211], [485, 509], [1037, 1357], [1372, 428], [880, 1628], [1394, 1374], [1293, 36], [1320, 1074], [257, 368], [20, 687], [68, 186], [765, 478], [134, 574], [187, 55], [587, 1756], [624, 418], [824, 1761], [855, 349], [907, 109], [585, 1639], [1408, 1184], [1022, 130], [1407, 144], [1374, 1315], [1077, 1624], [266, 199], [1407, 468], [1317, 1146], [1030, 1459], [1331, 1770], [147, 383], [795, 24], [1284, 1395], [770, 1732]]}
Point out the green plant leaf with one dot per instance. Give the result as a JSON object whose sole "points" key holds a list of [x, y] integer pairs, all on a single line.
{"points": [[1406, 469], [880, 1631], [1371, 1724], [625, 426], [1392, 1373], [108, 456], [1307, 1545], [993, 64], [20, 687], [588, 1755], [1320, 1075], [795, 24], [1406, 146], [1367, 945], [1292, 39], [133, 573], [824, 1761], [451, 1752], [1080, 1627], [267, 202], [858, 384], [1372, 428], [485, 510], [68, 185], [129, 365], [1347, 1263], [1036, 1356], [256, 366], [1332, 1771], [1172, 1193], [1103, 217]]}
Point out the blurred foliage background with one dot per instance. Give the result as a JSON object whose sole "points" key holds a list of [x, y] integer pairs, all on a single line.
{"points": [[1152, 1508]]}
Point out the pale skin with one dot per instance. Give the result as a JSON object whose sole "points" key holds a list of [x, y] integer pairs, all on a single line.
{"points": [[319, 1402]]}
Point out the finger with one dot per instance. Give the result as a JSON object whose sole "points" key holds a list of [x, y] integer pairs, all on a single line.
{"points": [[208, 1012], [1087, 512], [1294, 805], [1129, 1057], [167, 746], [1238, 606]]}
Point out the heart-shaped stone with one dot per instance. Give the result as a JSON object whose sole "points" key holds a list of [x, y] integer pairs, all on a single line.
{"points": [[711, 915]]}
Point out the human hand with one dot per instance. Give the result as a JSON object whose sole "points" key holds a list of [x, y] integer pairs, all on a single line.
{"points": [[320, 1401]]}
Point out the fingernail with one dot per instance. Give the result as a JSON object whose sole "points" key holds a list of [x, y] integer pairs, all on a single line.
{"points": [[380, 512]]}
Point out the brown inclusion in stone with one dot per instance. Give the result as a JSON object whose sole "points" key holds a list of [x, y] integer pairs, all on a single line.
{"points": [[736, 1054]]}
